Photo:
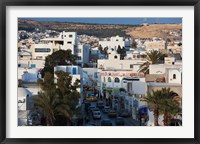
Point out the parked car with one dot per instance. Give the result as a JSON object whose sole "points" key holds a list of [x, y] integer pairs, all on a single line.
{"points": [[112, 113], [95, 109], [106, 122], [87, 105], [124, 114], [91, 97], [100, 104], [96, 115], [106, 109], [119, 121], [90, 108]]}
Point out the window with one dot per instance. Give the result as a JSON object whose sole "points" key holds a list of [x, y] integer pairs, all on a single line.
{"points": [[109, 79], [117, 80], [39, 57], [70, 36], [104, 79], [131, 66], [44, 50], [174, 76], [79, 50], [115, 57], [69, 42], [78, 57], [95, 75]]}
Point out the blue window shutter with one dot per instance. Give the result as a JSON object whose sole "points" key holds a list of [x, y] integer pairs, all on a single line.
{"points": [[74, 70]]}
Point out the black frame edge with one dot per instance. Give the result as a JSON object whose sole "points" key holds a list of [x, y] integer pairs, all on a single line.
{"points": [[101, 2], [197, 70], [3, 74], [3, 4]]}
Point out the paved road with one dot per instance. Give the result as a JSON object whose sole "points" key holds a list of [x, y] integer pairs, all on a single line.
{"points": [[128, 121]]}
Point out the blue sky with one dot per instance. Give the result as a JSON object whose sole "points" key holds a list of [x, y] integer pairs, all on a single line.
{"points": [[112, 20]]}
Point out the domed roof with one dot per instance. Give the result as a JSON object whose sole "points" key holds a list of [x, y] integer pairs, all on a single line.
{"points": [[23, 92]]}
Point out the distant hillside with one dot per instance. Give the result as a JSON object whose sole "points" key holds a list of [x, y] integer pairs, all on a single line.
{"points": [[104, 30], [155, 30]]}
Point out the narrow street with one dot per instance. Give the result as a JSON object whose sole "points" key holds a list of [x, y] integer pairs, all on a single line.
{"points": [[128, 121]]}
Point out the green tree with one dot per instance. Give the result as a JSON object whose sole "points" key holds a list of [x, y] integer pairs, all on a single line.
{"points": [[153, 100], [153, 57], [121, 51], [68, 90], [60, 57], [170, 105], [58, 100], [100, 48], [134, 44], [164, 102]]}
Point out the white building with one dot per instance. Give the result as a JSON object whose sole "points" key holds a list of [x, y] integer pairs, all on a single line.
{"points": [[24, 106], [66, 40], [83, 53], [114, 42], [114, 63], [92, 75], [112, 71], [39, 64], [41, 51], [28, 74], [171, 69], [155, 44], [138, 53], [70, 40], [175, 48]]}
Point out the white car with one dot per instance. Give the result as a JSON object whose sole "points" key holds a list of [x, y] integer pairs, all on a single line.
{"points": [[96, 115]]}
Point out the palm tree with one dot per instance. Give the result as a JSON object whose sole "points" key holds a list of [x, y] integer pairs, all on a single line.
{"points": [[51, 106], [153, 100], [153, 57], [170, 105], [57, 100]]}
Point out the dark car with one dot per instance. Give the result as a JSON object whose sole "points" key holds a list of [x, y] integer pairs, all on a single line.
{"points": [[112, 113], [106, 109], [106, 122], [90, 108], [124, 114], [87, 104], [119, 121], [100, 104]]}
